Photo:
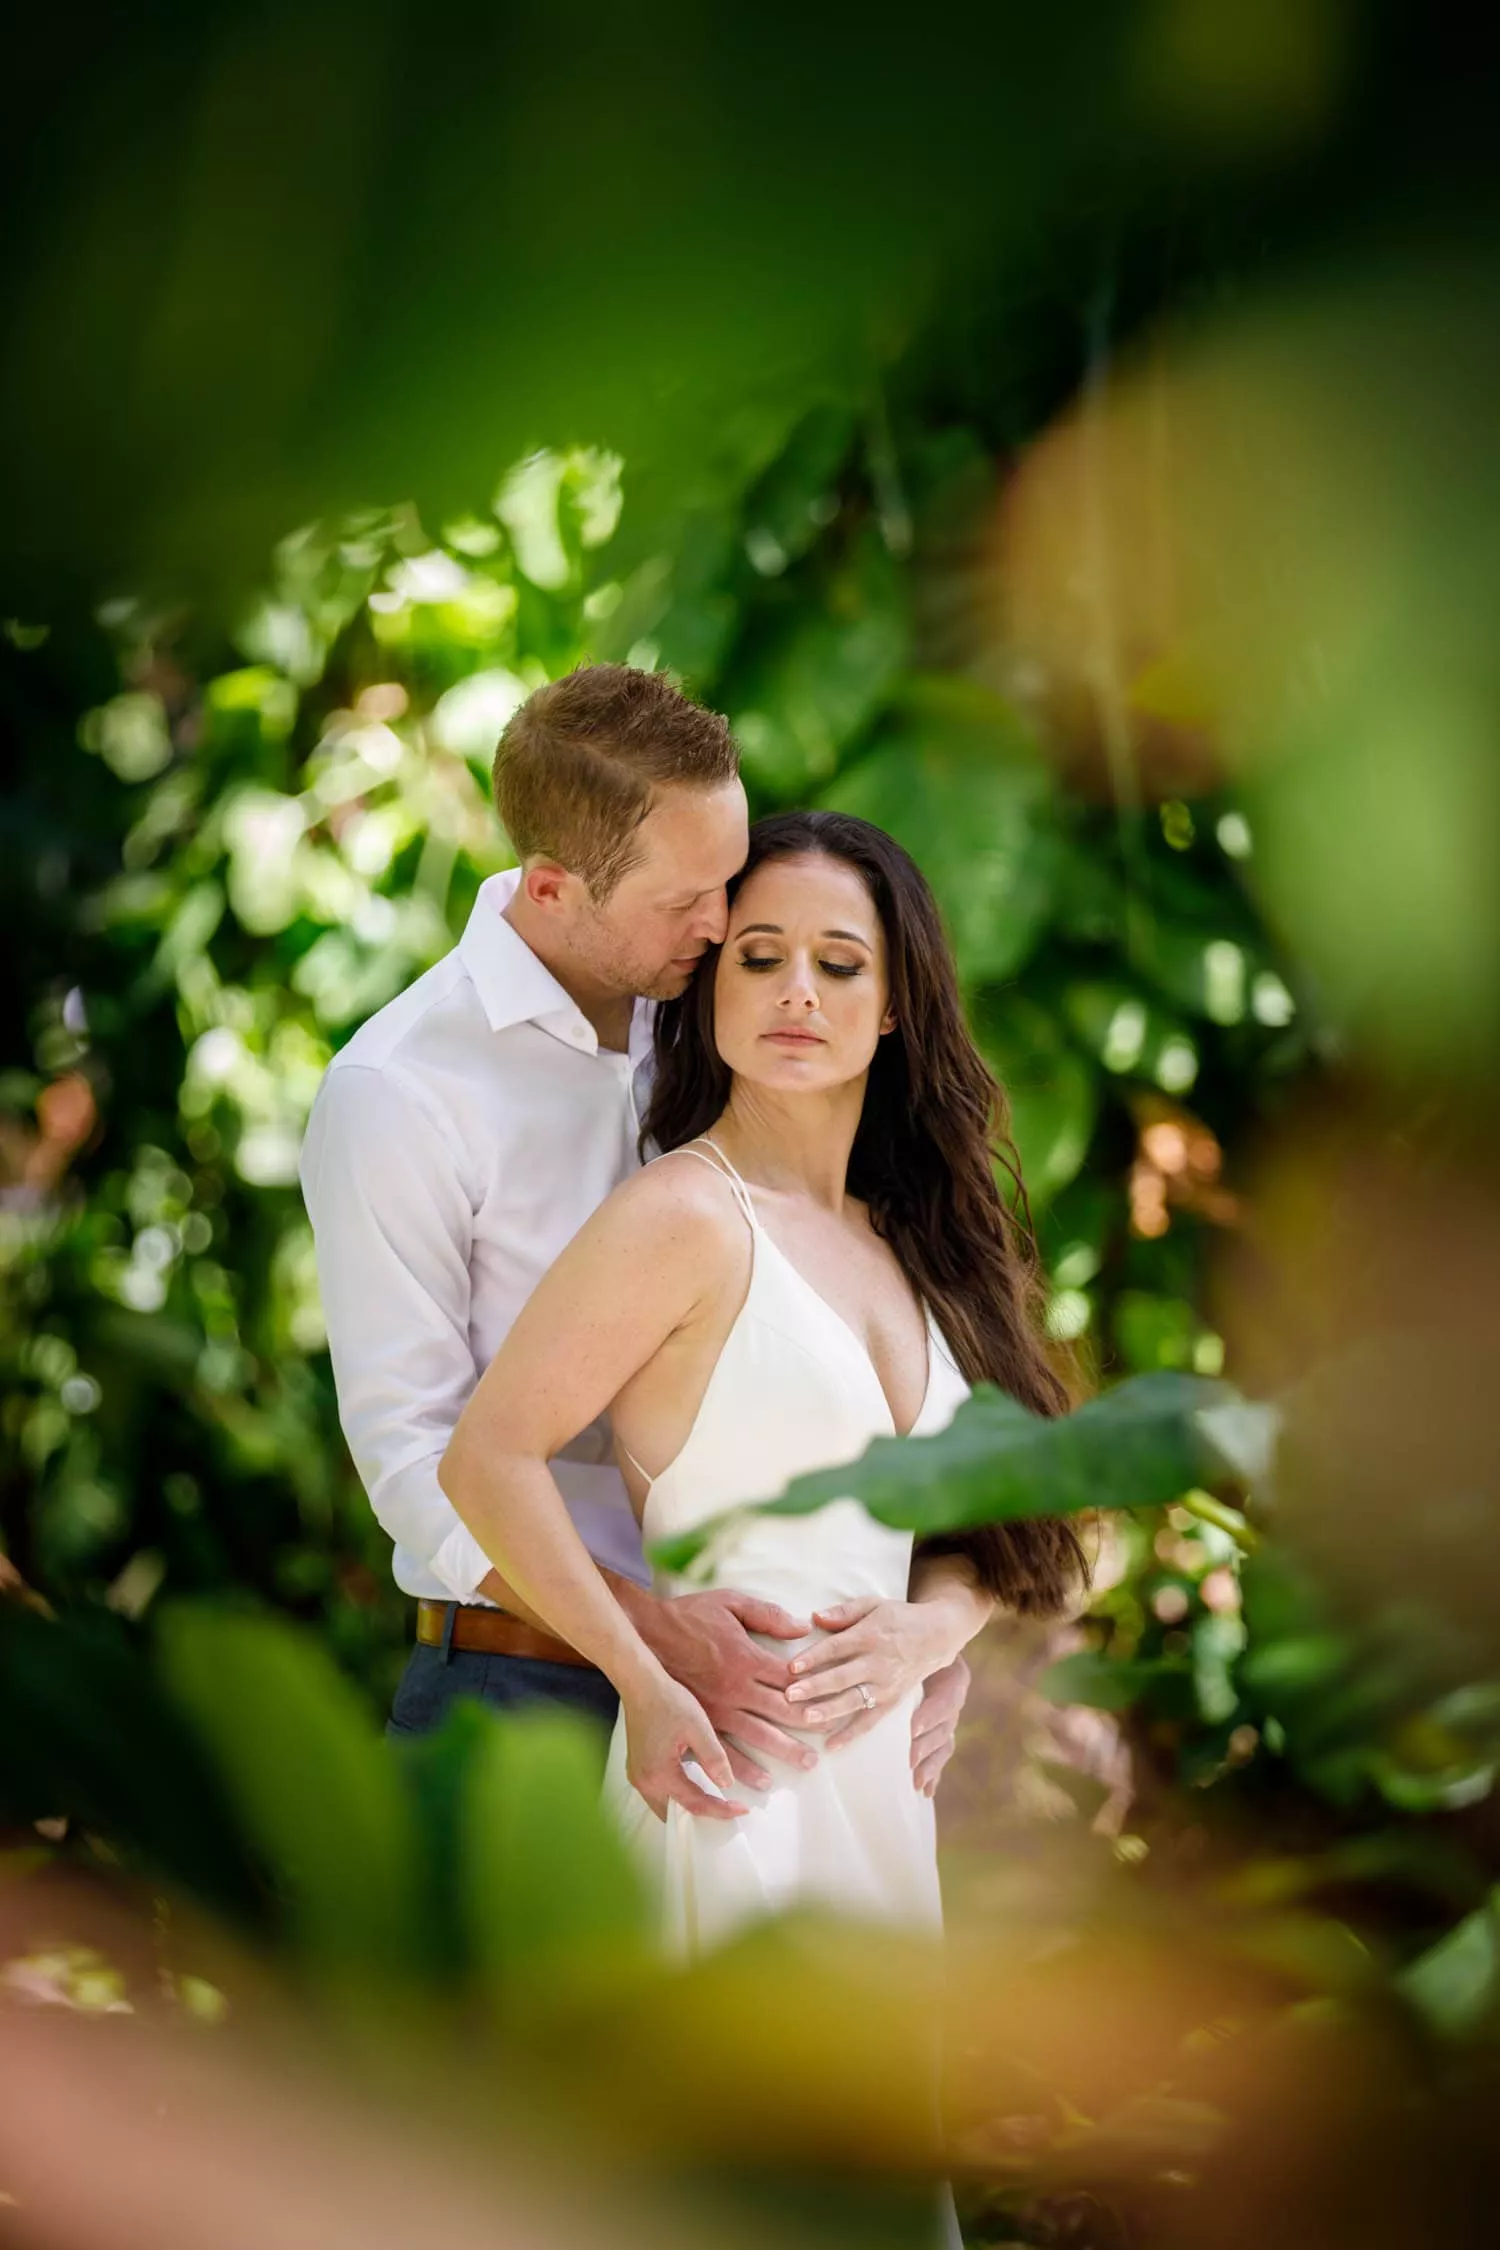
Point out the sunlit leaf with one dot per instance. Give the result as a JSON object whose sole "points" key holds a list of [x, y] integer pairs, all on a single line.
{"points": [[1137, 1446]]}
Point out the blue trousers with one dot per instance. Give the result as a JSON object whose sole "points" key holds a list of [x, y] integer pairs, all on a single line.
{"points": [[434, 1679]]}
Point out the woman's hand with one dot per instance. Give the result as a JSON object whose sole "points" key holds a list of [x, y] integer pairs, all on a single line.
{"points": [[877, 1653], [663, 1725]]}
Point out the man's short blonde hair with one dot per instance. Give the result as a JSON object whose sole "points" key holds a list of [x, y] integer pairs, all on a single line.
{"points": [[579, 763]]}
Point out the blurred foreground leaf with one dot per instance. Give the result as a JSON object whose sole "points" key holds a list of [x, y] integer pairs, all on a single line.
{"points": [[1457, 1984], [1138, 1446], [311, 1777], [551, 1896], [89, 1737], [1106, 1684]]}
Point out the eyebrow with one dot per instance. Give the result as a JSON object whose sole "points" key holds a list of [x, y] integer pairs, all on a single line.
{"points": [[774, 929]]}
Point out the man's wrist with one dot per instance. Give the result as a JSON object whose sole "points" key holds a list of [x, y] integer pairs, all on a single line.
{"points": [[641, 1606]]}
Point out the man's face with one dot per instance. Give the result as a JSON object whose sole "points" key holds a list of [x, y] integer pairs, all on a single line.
{"points": [[669, 907]]}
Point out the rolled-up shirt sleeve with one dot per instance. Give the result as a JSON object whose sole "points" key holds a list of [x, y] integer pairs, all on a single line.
{"points": [[393, 1218]]}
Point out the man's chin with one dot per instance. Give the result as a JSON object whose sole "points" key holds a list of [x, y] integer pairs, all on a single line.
{"points": [[671, 984]]}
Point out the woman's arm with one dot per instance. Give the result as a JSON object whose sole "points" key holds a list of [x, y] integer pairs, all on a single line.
{"points": [[642, 1268]]}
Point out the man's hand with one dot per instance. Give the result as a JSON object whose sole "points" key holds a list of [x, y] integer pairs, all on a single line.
{"points": [[934, 1724], [704, 1642]]}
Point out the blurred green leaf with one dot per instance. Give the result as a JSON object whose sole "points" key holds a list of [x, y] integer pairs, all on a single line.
{"points": [[1456, 1984], [794, 500], [311, 1778], [1130, 1034], [1136, 1446], [820, 675], [960, 784], [550, 1893], [1154, 1331], [1051, 1089], [1108, 1683], [90, 1737]]}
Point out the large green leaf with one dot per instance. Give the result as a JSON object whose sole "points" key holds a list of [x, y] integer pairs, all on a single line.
{"points": [[313, 1781], [1137, 1446], [1052, 1090], [1456, 1985], [803, 692], [794, 498], [548, 1889], [960, 785], [89, 1736]]}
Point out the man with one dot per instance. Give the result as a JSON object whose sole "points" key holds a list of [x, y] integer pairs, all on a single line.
{"points": [[463, 1136]]}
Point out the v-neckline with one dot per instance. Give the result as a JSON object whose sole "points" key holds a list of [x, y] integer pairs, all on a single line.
{"points": [[759, 1228], [853, 1335]]}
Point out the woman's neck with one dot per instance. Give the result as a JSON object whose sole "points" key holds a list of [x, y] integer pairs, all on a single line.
{"points": [[795, 1145]]}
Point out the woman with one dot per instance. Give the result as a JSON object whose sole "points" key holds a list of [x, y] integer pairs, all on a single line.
{"points": [[821, 1256]]}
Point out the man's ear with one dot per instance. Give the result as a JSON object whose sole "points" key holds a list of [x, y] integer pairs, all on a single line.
{"points": [[545, 883]]}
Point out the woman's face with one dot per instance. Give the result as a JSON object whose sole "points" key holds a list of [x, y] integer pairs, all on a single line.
{"points": [[801, 993]]}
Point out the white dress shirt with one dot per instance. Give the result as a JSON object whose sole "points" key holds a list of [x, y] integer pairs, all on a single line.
{"points": [[457, 1144]]}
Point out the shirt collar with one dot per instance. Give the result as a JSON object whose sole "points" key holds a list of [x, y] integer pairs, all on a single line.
{"points": [[514, 986], [642, 1023]]}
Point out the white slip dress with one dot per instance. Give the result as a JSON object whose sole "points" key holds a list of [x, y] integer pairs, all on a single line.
{"points": [[793, 1390]]}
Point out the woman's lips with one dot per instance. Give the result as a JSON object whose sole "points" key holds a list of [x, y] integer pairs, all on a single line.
{"points": [[793, 1038]]}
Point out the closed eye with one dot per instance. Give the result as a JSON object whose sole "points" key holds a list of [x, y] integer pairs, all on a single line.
{"points": [[757, 961]]}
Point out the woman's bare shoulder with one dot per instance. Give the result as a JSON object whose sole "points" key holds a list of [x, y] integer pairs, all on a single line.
{"points": [[677, 1200]]}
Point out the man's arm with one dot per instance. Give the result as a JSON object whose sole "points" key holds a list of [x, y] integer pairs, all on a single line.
{"points": [[393, 1222]]}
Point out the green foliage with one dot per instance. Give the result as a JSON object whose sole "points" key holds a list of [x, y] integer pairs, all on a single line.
{"points": [[102, 1743], [310, 1781], [282, 832], [226, 854], [552, 1901], [1456, 1985], [1139, 1445]]}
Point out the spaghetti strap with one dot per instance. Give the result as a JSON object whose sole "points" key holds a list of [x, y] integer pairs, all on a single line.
{"points": [[638, 1466], [720, 1163]]}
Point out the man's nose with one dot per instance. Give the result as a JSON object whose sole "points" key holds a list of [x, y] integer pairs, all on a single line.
{"points": [[713, 919]]}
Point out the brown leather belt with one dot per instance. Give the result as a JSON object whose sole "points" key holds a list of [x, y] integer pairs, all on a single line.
{"points": [[493, 1632]]}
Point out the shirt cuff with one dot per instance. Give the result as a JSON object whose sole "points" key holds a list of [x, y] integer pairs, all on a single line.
{"points": [[461, 1563]]}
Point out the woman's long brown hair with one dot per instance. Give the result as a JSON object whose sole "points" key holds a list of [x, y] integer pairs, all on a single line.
{"points": [[933, 1128]]}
